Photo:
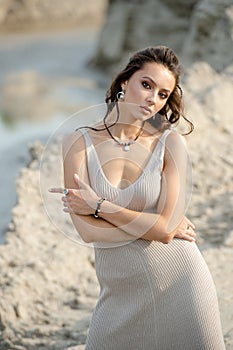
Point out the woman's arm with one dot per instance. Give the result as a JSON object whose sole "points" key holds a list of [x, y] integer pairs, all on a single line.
{"points": [[125, 224], [89, 228]]}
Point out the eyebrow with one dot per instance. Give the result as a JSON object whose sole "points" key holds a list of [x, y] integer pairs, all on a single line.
{"points": [[156, 84]]}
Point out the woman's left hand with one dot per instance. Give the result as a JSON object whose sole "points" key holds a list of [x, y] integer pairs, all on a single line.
{"points": [[81, 201]]}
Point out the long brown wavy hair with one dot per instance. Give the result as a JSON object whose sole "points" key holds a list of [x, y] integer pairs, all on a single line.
{"points": [[173, 109]]}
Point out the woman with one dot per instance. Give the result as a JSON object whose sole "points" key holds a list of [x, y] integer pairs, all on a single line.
{"points": [[126, 190]]}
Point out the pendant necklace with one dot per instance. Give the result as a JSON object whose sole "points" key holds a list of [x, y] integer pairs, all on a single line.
{"points": [[124, 144]]}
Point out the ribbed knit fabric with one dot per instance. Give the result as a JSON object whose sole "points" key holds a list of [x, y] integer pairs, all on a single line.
{"points": [[153, 296]]}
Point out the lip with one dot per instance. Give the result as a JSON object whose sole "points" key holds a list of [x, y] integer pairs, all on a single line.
{"points": [[146, 109]]}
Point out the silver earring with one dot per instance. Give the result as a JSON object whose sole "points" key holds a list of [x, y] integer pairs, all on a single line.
{"points": [[121, 95]]}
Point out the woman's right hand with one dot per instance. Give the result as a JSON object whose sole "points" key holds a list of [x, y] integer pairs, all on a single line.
{"points": [[186, 230]]}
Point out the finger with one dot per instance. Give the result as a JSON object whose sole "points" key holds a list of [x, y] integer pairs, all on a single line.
{"points": [[56, 190], [190, 231], [76, 177], [77, 180], [190, 224], [68, 210], [188, 238], [81, 184]]}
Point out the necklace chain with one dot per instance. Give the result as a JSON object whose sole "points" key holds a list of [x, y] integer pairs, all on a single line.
{"points": [[123, 143]]}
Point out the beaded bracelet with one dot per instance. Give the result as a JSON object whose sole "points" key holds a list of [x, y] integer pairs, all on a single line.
{"points": [[100, 201]]}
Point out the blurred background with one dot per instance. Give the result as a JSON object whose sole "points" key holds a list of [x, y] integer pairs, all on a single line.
{"points": [[57, 58], [44, 50]]}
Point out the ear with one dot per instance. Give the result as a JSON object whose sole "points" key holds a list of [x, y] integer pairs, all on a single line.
{"points": [[124, 85]]}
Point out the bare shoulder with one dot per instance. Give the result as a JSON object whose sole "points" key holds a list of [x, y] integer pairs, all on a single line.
{"points": [[175, 140], [73, 141], [74, 158], [175, 149]]}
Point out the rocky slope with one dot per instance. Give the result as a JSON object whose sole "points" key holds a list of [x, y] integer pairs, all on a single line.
{"points": [[195, 29], [48, 287]]}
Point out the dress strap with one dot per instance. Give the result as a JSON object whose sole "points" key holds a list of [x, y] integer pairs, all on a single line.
{"points": [[164, 135], [161, 147], [87, 138], [93, 164]]}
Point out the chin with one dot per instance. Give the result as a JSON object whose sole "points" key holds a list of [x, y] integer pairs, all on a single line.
{"points": [[142, 118]]}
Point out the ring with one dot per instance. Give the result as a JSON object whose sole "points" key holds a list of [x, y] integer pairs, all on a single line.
{"points": [[65, 191]]}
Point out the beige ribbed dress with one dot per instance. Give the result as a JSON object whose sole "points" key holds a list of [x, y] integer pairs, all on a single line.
{"points": [[153, 296]]}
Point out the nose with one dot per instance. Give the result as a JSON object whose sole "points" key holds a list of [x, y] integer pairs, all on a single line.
{"points": [[152, 97]]}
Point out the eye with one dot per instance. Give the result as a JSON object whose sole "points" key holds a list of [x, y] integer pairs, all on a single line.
{"points": [[146, 85], [163, 95]]}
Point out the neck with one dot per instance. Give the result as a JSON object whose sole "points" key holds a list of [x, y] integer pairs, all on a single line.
{"points": [[126, 127], [125, 131]]}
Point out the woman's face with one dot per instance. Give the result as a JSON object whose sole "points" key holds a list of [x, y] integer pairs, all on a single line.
{"points": [[149, 89]]}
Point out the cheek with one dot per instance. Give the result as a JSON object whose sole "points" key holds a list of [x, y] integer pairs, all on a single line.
{"points": [[161, 104], [134, 91]]}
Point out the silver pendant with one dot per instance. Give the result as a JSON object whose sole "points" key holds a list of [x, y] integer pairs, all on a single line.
{"points": [[126, 147]]}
